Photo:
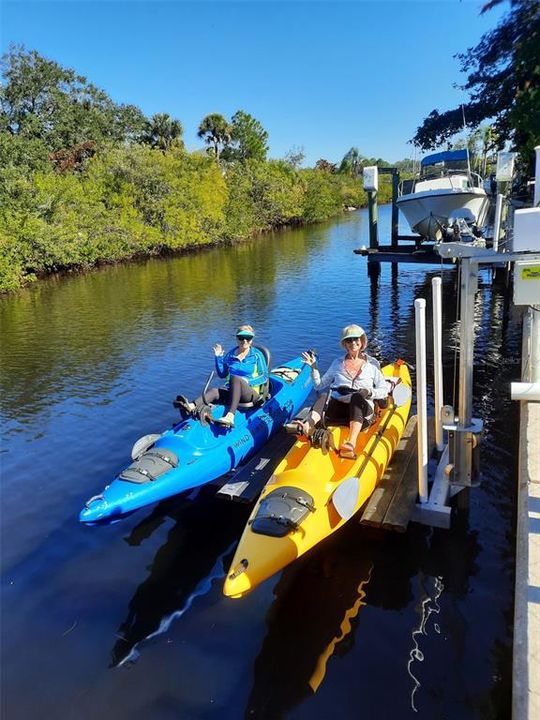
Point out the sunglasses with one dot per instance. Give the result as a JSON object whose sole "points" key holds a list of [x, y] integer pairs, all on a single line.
{"points": [[247, 338], [353, 339]]}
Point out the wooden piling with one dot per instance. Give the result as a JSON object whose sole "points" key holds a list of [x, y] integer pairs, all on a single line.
{"points": [[373, 220]]}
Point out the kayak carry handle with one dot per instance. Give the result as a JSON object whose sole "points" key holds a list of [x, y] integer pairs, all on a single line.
{"points": [[93, 499]]}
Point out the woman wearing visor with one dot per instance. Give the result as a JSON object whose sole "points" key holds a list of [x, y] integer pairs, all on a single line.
{"points": [[246, 371], [355, 381]]}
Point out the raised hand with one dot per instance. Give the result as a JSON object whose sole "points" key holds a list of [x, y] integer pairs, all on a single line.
{"points": [[218, 350], [309, 358]]}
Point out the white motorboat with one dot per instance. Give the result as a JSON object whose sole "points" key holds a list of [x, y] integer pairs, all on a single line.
{"points": [[446, 192]]}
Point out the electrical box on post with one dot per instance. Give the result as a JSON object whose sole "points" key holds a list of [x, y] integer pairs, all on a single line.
{"points": [[371, 178], [526, 283], [505, 166], [527, 230]]}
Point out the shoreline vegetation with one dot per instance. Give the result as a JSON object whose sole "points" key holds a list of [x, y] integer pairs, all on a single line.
{"points": [[86, 182], [133, 203]]}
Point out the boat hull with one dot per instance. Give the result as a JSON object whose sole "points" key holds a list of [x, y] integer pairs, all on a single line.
{"points": [[429, 213], [311, 472], [205, 452]]}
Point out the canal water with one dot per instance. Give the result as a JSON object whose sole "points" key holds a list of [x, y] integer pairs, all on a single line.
{"points": [[129, 621]]}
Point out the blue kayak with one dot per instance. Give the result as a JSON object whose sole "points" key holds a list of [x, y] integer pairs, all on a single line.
{"points": [[195, 452]]}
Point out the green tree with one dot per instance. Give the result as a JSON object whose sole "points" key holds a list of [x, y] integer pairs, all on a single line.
{"points": [[322, 197], [503, 83], [215, 131], [40, 99], [406, 167], [249, 140], [162, 131], [325, 166]]}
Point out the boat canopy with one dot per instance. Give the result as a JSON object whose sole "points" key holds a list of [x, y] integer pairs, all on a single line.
{"points": [[448, 156]]}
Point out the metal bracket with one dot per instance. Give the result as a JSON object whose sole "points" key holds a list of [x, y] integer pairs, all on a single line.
{"points": [[481, 255], [475, 427]]}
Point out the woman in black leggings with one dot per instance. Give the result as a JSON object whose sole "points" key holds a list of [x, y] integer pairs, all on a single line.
{"points": [[355, 381], [246, 371]]}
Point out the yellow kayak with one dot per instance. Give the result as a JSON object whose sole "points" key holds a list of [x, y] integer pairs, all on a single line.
{"points": [[314, 491]]}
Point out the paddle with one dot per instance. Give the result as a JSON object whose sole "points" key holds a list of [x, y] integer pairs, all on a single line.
{"points": [[345, 496]]}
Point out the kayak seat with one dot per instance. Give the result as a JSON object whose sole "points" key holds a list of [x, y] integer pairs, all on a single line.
{"points": [[264, 392]]}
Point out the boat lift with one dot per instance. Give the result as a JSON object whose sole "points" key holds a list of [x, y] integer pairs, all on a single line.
{"points": [[403, 494], [418, 251], [457, 466]]}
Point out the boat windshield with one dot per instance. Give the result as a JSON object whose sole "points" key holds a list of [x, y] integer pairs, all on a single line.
{"points": [[442, 169]]}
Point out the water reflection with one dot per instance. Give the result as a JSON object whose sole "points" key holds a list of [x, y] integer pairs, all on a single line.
{"points": [[312, 618], [78, 334], [194, 554], [430, 571]]}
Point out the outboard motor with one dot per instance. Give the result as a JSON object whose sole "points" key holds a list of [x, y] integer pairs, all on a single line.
{"points": [[462, 227]]}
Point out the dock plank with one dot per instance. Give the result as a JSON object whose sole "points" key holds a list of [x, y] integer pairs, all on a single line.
{"points": [[402, 505], [383, 494]]}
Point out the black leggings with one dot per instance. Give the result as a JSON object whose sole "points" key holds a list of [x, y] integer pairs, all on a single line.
{"points": [[239, 391], [342, 413]]}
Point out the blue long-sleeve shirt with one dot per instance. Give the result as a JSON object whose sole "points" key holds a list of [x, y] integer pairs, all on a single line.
{"points": [[252, 368]]}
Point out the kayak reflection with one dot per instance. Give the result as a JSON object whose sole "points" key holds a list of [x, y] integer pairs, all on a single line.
{"points": [[312, 618], [183, 568]]}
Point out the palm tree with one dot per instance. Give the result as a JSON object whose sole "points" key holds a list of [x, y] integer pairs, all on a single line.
{"points": [[162, 130], [351, 163], [216, 131]]}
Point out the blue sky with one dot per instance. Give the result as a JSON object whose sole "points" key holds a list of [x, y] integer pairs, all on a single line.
{"points": [[317, 75]]}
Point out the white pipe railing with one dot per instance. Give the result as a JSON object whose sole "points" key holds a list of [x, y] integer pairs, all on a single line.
{"points": [[421, 397], [497, 221], [537, 178], [436, 284], [525, 391]]}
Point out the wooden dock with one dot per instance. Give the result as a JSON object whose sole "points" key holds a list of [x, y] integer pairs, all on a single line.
{"points": [[393, 502]]}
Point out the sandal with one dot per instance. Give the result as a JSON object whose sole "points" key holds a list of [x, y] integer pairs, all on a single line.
{"points": [[347, 451], [227, 420], [299, 427], [295, 427], [182, 403]]}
